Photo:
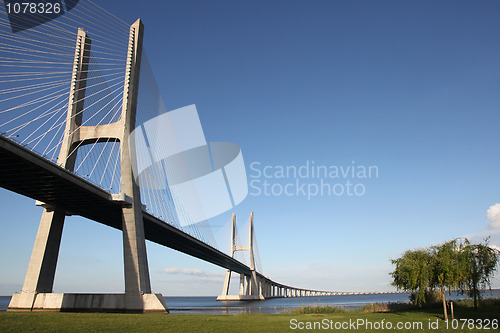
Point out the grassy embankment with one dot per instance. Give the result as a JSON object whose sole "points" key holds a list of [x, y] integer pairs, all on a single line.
{"points": [[100, 322]]}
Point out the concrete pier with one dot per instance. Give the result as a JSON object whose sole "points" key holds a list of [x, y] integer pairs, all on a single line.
{"points": [[88, 303]]}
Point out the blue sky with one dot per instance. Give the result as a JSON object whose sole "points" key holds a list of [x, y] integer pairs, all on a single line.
{"points": [[409, 87]]}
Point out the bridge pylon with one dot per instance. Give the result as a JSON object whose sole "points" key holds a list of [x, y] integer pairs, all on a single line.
{"points": [[37, 293], [250, 288]]}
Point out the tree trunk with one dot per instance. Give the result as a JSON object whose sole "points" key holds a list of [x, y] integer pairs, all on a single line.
{"points": [[475, 299], [444, 304]]}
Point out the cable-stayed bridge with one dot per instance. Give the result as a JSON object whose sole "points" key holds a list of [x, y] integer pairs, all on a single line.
{"points": [[72, 93]]}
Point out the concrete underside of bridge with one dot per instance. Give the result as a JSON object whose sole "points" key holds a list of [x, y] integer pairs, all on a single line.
{"points": [[85, 303], [28, 174]]}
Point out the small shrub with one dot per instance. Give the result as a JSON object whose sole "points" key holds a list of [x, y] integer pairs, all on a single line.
{"points": [[432, 298], [386, 307], [309, 309]]}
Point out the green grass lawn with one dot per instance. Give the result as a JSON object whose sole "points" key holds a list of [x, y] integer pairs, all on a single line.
{"points": [[103, 322]]}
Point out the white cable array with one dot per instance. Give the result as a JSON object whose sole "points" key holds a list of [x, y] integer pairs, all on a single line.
{"points": [[36, 67]]}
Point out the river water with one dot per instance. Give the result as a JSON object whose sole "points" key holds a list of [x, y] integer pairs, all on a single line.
{"points": [[209, 305]]}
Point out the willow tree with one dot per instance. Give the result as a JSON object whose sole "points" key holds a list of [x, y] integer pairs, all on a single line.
{"points": [[478, 264], [413, 273], [446, 269]]}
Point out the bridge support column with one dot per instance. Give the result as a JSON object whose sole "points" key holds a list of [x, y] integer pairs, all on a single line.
{"points": [[134, 245], [248, 286], [227, 280], [225, 289], [242, 284], [138, 296], [43, 262]]}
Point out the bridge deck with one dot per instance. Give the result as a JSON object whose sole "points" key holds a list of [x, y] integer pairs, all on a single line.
{"points": [[29, 174]]}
